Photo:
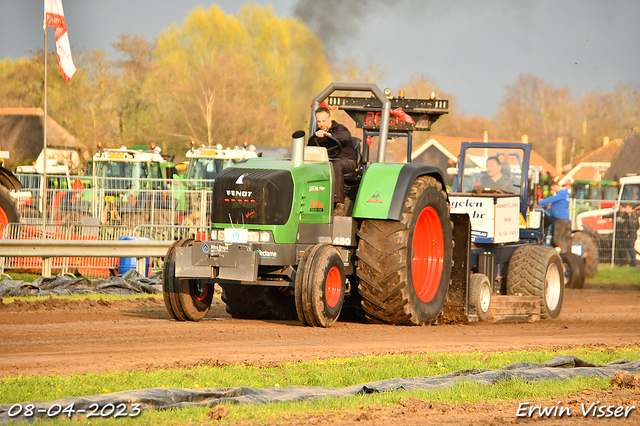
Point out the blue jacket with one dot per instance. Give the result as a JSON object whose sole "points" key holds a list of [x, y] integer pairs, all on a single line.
{"points": [[559, 204]]}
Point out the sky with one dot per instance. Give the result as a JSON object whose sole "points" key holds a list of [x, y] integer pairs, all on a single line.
{"points": [[471, 49]]}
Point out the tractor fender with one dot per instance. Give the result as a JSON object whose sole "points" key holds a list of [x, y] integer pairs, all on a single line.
{"points": [[385, 186], [8, 180]]}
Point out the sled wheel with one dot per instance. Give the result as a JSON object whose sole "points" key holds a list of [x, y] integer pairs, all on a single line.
{"points": [[189, 299], [537, 271], [573, 270], [480, 295], [404, 266], [320, 286], [591, 252]]}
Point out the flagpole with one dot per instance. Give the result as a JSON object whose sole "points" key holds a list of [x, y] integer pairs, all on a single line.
{"points": [[44, 145]]}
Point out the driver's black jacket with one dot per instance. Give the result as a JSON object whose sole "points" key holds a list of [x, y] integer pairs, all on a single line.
{"points": [[342, 135]]}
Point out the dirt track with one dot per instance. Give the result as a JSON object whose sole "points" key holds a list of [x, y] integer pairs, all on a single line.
{"points": [[64, 337]]}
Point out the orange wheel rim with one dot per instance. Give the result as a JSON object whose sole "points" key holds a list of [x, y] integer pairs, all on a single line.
{"points": [[200, 292], [333, 287], [427, 254]]}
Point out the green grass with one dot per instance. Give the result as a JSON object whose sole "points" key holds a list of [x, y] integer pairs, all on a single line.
{"points": [[332, 373], [619, 275], [28, 278]]}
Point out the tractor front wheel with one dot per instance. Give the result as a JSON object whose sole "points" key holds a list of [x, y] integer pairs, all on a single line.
{"points": [[320, 286], [185, 299], [404, 266]]}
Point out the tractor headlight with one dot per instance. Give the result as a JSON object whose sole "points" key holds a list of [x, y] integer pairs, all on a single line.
{"points": [[252, 236]]}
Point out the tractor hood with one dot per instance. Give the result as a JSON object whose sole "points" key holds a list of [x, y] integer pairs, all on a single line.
{"points": [[252, 196], [272, 192]]}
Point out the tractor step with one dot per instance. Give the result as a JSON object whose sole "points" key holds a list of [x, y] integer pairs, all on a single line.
{"points": [[514, 309]]}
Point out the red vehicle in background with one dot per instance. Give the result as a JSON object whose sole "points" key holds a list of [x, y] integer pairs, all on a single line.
{"points": [[599, 223]]}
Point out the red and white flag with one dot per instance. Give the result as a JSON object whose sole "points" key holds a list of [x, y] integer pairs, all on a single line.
{"points": [[54, 17]]}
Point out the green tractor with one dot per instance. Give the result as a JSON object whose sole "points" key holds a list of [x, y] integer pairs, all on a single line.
{"points": [[278, 252], [133, 186]]}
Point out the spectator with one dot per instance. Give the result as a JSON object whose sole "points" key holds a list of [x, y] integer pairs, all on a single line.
{"points": [[557, 213], [625, 235]]}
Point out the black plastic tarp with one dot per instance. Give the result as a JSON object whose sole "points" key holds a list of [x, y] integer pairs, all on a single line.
{"points": [[558, 368], [129, 283]]}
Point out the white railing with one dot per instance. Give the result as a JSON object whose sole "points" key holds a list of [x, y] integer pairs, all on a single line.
{"points": [[49, 250], [117, 201]]}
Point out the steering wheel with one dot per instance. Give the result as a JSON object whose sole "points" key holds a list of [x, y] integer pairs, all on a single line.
{"points": [[334, 147], [480, 190]]}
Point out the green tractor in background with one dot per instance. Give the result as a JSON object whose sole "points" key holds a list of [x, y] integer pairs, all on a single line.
{"points": [[278, 252], [204, 164], [593, 194], [133, 186]]}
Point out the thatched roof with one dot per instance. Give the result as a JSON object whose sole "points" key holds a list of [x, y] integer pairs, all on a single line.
{"points": [[627, 159], [21, 132]]}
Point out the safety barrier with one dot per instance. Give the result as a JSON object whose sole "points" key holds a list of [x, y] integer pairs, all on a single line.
{"points": [[63, 247], [46, 250]]}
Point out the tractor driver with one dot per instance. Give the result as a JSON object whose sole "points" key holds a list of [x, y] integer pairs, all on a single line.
{"points": [[346, 160], [494, 178]]}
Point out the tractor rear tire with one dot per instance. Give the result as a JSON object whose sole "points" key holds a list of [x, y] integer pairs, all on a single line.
{"points": [[591, 250], [480, 295], [185, 299], [320, 286], [258, 302], [573, 270], [537, 271], [404, 266], [8, 211]]}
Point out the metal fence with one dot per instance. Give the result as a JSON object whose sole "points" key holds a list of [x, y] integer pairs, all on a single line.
{"points": [[617, 235], [116, 201], [106, 209]]}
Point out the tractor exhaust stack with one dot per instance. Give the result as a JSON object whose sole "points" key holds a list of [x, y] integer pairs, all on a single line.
{"points": [[297, 148]]}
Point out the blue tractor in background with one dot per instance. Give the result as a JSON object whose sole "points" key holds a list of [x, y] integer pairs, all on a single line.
{"points": [[509, 252]]}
